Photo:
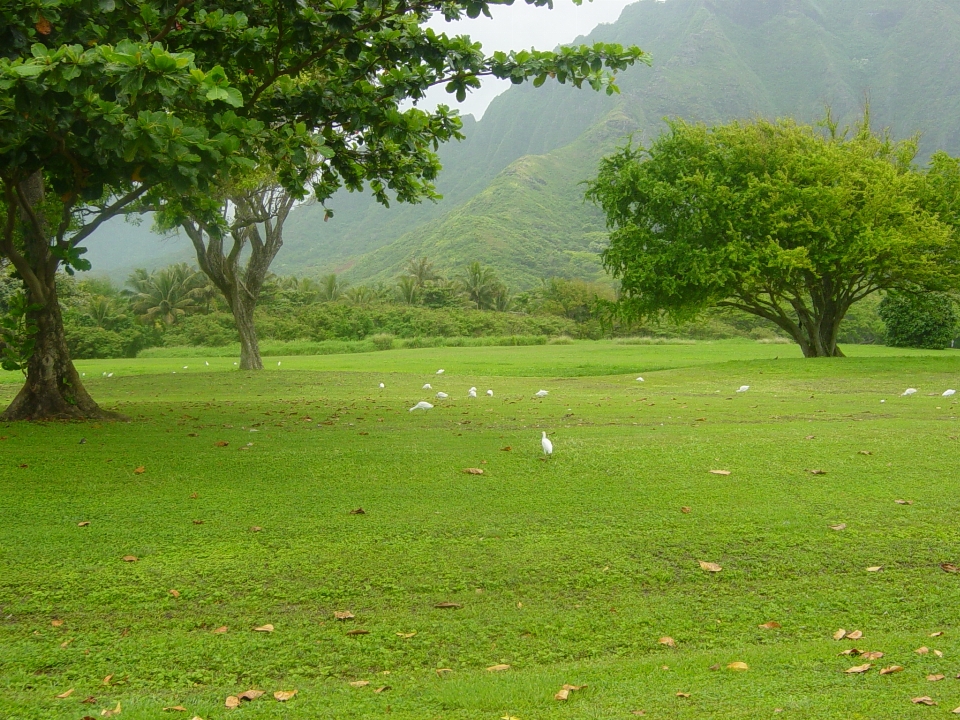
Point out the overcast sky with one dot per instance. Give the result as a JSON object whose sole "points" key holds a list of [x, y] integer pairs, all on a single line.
{"points": [[521, 27]]}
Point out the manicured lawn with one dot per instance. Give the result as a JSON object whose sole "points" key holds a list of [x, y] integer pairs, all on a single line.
{"points": [[568, 571]]}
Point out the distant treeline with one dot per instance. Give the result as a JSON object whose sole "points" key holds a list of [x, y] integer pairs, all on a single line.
{"points": [[177, 306]]}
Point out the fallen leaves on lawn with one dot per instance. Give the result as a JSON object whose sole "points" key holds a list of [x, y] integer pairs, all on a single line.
{"points": [[668, 641], [175, 708], [857, 669], [140, 470], [810, 437], [175, 593], [935, 678], [256, 528], [739, 666], [358, 631], [56, 623], [719, 472], [381, 689], [685, 510], [359, 683], [710, 567], [772, 625], [841, 526], [284, 695], [506, 449], [65, 694], [251, 694], [83, 524], [922, 650], [130, 558], [851, 652], [358, 511], [938, 633], [938, 653], [65, 643], [565, 691], [221, 443], [640, 713], [220, 630], [683, 695], [264, 628], [892, 669], [498, 668], [106, 680], [343, 615], [875, 568], [840, 634], [904, 502], [473, 471], [949, 567], [443, 671], [448, 605], [872, 655], [817, 471], [406, 636], [855, 635], [194, 496], [925, 700], [111, 713]]}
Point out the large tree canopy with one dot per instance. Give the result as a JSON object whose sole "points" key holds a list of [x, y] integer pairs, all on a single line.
{"points": [[789, 222], [107, 104]]}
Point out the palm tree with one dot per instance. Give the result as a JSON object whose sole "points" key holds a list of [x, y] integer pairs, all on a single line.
{"points": [[362, 295], [421, 270], [502, 300], [407, 290], [331, 288], [104, 312], [166, 295], [480, 285]]}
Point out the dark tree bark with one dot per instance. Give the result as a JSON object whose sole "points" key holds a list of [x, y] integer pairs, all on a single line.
{"points": [[263, 209], [53, 389]]}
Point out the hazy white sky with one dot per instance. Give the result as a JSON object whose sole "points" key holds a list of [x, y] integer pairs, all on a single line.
{"points": [[521, 27]]}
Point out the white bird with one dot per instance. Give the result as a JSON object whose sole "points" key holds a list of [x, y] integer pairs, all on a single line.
{"points": [[541, 393], [473, 389], [109, 374], [184, 367], [104, 373], [547, 445], [206, 363], [640, 379], [428, 386], [422, 406], [743, 388], [83, 374], [883, 401], [278, 363], [490, 393], [909, 391], [472, 392], [440, 371], [949, 393], [234, 363], [382, 386], [442, 395]]}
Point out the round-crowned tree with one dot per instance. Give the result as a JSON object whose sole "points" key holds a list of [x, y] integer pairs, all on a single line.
{"points": [[919, 320]]}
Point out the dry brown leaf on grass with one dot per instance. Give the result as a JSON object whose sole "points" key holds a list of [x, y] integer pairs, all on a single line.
{"points": [[855, 635], [840, 634], [810, 437], [738, 666], [817, 471], [406, 636], [938, 653], [683, 695], [358, 511], [640, 713], [221, 443], [65, 694], [841, 526], [65, 643], [220, 630], [857, 669], [710, 567], [443, 671], [56, 623], [668, 641], [904, 502], [175, 708], [506, 449], [83, 524], [925, 700], [231, 702], [264, 628], [892, 669], [175, 593], [106, 680], [198, 522], [448, 605], [875, 568], [851, 651], [358, 631], [772, 625], [110, 713], [864, 452], [498, 668], [935, 678], [130, 558], [473, 471], [140, 470], [284, 695], [719, 472], [685, 510], [938, 633], [251, 694], [343, 615], [382, 689], [256, 528], [565, 691], [359, 683], [923, 650], [872, 655], [949, 567]]}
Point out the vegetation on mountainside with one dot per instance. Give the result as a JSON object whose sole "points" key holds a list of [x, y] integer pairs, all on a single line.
{"points": [[784, 221]]}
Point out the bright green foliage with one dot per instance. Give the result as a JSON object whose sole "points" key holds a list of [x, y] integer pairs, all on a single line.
{"points": [[920, 320], [169, 294], [781, 220]]}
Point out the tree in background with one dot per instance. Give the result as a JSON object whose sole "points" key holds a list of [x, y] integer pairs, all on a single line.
{"points": [[792, 223], [481, 285], [168, 294], [919, 320], [104, 105]]}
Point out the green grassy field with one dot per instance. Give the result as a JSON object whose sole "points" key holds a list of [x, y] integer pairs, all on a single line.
{"points": [[568, 570]]}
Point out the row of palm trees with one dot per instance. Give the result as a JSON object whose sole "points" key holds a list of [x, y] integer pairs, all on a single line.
{"points": [[164, 296]]}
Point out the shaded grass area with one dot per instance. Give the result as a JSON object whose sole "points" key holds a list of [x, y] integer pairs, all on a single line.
{"points": [[568, 570]]}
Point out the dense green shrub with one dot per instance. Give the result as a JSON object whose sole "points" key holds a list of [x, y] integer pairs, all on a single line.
{"points": [[919, 320], [213, 330], [91, 342]]}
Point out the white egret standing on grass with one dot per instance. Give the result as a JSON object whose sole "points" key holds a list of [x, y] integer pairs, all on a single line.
{"points": [[640, 379], [546, 444], [422, 405], [472, 392], [206, 363], [490, 393], [541, 393], [743, 388], [428, 386], [949, 393], [109, 375], [908, 391], [278, 363], [382, 386], [440, 371], [442, 395], [184, 367]]}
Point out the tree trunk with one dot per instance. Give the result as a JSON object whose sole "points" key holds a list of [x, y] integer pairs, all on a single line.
{"points": [[249, 345], [53, 390]]}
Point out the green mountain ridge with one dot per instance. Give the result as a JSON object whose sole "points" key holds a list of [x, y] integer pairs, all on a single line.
{"points": [[512, 192]]}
